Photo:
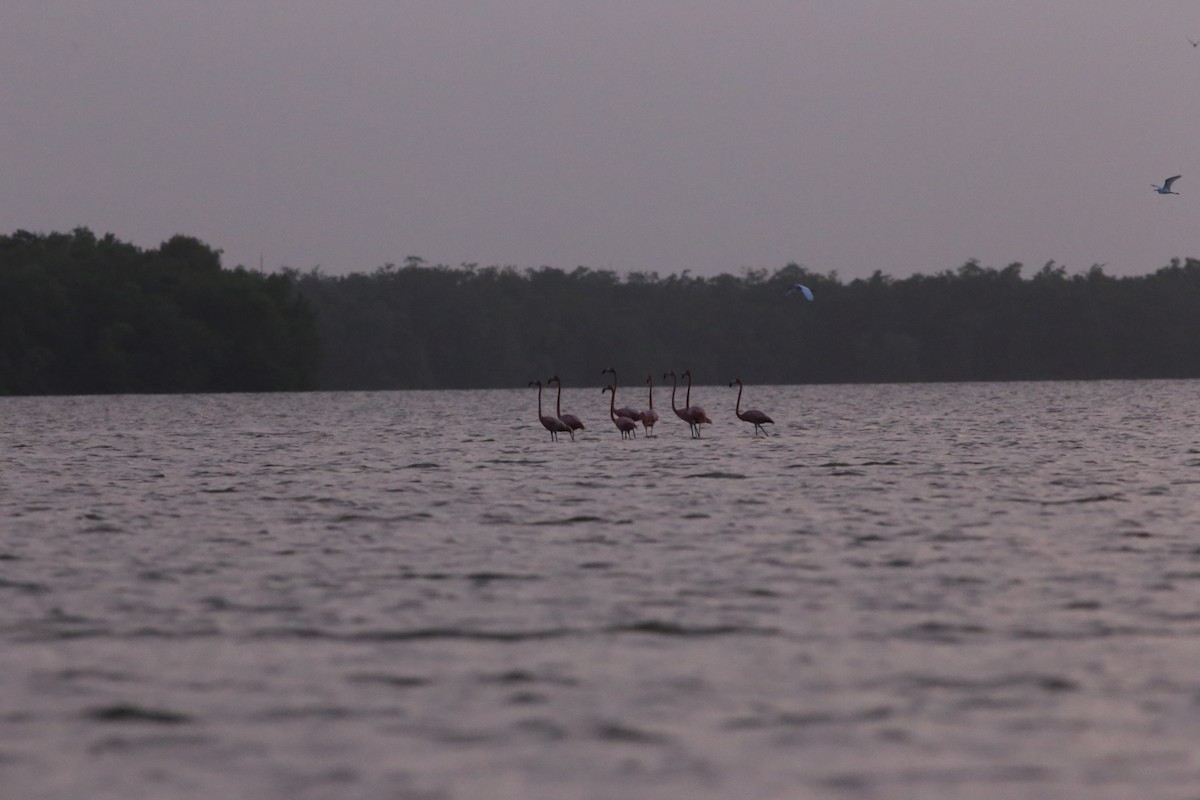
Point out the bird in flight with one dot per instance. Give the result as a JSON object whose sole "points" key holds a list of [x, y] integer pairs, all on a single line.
{"points": [[807, 292], [1194, 44], [1166, 186]]}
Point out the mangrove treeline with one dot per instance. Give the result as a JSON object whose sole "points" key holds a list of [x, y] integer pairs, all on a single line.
{"points": [[437, 327], [81, 314], [84, 315]]}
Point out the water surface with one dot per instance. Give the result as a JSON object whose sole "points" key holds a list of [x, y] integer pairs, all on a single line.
{"points": [[968, 590]]}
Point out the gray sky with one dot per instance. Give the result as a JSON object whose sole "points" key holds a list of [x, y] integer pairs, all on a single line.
{"points": [[657, 135]]}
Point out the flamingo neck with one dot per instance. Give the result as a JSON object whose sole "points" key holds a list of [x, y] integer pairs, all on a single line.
{"points": [[737, 410]]}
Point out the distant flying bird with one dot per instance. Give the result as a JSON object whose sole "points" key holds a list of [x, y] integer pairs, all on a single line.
{"points": [[751, 415], [1166, 187], [1194, 44], [807, 292]]}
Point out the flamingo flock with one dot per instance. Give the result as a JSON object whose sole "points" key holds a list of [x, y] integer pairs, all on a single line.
{"points": [[626, 418]]}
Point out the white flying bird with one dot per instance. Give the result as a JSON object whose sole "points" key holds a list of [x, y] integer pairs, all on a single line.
{"points": [[807, 292], [1166, 187]]}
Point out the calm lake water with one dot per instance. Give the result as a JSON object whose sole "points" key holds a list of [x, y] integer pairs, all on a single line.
{"points": [[912, 591]]}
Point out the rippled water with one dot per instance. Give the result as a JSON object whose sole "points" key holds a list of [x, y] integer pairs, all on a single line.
{"points": [[952, 591]]}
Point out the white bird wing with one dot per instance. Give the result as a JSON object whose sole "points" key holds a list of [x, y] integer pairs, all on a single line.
{"points": [[1167, 183], [807, 292]]}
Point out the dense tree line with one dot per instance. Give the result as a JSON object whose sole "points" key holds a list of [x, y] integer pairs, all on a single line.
{"points": [[418, 326], [81, 314]]}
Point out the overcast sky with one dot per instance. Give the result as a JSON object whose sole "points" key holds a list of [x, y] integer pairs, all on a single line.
{"points": [[653, 135]]}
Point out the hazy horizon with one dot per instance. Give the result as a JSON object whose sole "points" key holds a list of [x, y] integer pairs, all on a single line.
{"points": [[907, 137]]}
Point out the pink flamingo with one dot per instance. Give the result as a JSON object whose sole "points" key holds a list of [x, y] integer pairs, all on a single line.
{"points": [[751, 415], [627, 426], [698, 413], [679, 412], [631, 413], [573, 422], [553, 424], [686, 414], [650, 416]]}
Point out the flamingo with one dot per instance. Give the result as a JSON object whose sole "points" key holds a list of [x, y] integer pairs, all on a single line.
{"points": [[626, 425], [553, 424], [698, 414], [573, 422], [631, 413], [679, 412], [800, 287], [686, 413], [650, 416], [1166, 186], [751, 415]]}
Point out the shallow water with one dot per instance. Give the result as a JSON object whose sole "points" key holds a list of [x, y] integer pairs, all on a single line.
{"points": [[950, 591]]}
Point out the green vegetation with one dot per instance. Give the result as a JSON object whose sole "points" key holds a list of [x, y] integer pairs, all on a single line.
{"points": [[83, 315], [437, 327]]}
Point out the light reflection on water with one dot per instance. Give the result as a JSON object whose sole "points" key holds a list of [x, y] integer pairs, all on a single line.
{"points": [[935, 591]]}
